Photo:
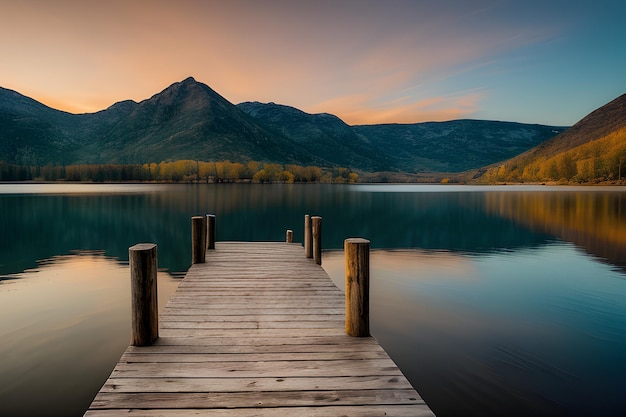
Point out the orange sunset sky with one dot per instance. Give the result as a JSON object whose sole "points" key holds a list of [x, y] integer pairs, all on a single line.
{"points": [[548, 62]]}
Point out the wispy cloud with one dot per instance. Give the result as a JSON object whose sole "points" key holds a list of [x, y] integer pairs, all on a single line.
{"points": [[361, 109], [368, 61]]}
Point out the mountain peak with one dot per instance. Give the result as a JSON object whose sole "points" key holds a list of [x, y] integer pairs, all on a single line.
{"points": [[189, 93]]}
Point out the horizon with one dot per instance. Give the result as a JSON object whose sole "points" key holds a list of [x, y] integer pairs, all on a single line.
{"points": [[364, 61], [284, 105]]}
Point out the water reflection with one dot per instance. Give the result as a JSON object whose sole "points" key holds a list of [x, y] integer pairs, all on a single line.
{"points": [[594, 221], [500, 307], [502, 334], [62, 329], [38, 226]]}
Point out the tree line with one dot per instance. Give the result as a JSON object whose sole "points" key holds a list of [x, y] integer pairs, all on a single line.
{"points": [[179, 171], [597, 161]]}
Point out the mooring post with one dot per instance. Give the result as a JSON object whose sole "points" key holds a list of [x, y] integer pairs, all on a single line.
{"points": [[205, 220], [210, 231], [143, 277], [357, 261], [198, 244], [289, 236], [316, 231], [308, 237]]}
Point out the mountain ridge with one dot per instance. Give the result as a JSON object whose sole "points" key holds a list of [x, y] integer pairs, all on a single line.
{"points": [[189, 120], [593, 150]]}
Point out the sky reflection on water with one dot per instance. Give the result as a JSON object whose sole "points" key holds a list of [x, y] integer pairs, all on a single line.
{"points": [[527, 329], [63, 327]]}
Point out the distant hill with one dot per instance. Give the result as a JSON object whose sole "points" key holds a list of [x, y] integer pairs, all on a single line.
{"points": [[451, 146], [188, 120], [456, 145], [322, 134], [593, 150]]}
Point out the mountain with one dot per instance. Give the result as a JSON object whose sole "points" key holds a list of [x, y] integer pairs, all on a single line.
{"points": [[454, 146], [451, 146], [594, 149], [597, 124], [323, 134], [31, 132], [189, 120]]}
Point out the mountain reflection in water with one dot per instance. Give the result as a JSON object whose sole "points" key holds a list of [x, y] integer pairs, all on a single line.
{"points": [[596, 224]]}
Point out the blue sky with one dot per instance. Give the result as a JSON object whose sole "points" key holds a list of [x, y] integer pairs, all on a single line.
{"points": [[548, 62]]}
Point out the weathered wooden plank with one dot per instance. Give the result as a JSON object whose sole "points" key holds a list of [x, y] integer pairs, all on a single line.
{"points": [[255, 399], [258, 346], [263, 292], [395, 410], [364, 367], [258, 316], [248, 357], [265, 341], [137, 385], [249, 332], [172, 311], [258, 297], [240, 285], [223, 304], [253, 323]]}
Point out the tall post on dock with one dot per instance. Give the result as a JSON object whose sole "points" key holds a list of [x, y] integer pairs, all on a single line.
{"points": [[143, 282], [357, 261], [198, 245], [308, 237], [210, 231], [316, 231], [289, 236]]}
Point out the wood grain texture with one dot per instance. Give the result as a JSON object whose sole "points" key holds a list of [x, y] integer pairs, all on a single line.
{"points": [[257, 330], [144, 301], [198, 239], [357, 267]]}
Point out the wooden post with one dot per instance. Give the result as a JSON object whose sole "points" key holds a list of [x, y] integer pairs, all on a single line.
{"points": [[143, 282], [289, 236], [308, 237], [316, 232], [197, 239], [357, 261], [204, 229], [210, 231]]}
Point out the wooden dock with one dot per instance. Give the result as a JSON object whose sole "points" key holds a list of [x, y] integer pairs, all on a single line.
{"points": [[257, 330]]}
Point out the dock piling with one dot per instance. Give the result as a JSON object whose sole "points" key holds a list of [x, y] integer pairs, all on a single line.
{"points": [[289, 236], [210, 231], [357, 261], [308, 237], [143, 275], [198, 236], [316, 232]]}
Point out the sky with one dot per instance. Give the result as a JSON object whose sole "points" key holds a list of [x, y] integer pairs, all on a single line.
{"points": [[387, 61]]}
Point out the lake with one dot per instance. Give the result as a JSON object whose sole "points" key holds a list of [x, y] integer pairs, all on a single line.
{"points": [[503, 300]]}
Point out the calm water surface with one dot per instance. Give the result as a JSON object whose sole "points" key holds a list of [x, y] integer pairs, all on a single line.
{"points": [[492, 300]]}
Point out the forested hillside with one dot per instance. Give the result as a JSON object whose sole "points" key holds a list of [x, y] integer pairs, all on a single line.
{"points": [[592, 151]]}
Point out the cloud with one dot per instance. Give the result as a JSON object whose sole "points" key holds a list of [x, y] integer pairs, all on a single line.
{"points": [[363, 109], [367, 61]]}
